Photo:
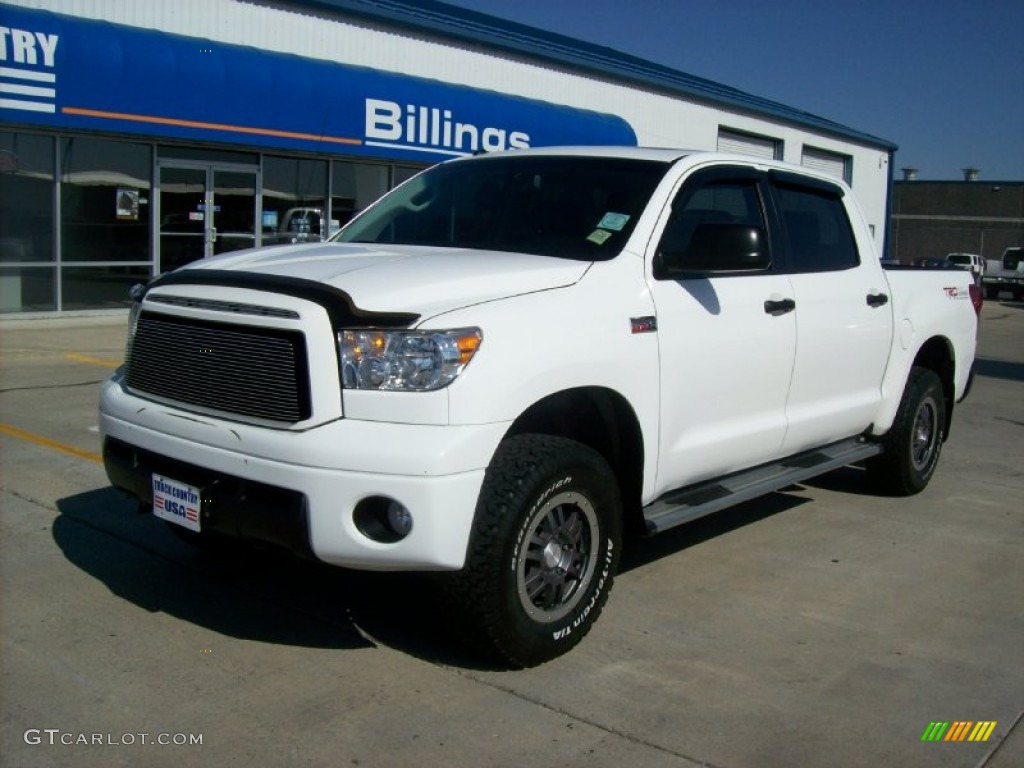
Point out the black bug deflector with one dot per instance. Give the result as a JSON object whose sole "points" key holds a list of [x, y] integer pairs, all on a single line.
{"points": [[339, 305]]}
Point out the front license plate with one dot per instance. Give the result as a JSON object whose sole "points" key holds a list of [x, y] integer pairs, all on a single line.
{"points": [[176, 502]]}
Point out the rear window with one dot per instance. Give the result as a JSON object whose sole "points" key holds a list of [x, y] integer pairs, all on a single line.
{"points": [[818, 229]]}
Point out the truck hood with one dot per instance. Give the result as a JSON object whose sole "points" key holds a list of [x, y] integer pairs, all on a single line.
{"points": [[406, 278]]}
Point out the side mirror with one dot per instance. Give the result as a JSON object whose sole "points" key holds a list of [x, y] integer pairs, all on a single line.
{"points": [[717, 248]]}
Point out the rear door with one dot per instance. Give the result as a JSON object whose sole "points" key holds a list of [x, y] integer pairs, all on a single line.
{"points": [[843, 316]]}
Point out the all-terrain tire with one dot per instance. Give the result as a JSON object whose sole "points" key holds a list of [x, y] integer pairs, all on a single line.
{"points": [[913, 446], [543, 550]]}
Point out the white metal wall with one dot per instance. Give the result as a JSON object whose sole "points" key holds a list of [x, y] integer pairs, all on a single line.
{"points": [[657, 119]]}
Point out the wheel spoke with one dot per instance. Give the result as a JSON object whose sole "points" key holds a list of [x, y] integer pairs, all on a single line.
{"points": [[535, 584], [534, 555], [573, 531], [550, 523]]}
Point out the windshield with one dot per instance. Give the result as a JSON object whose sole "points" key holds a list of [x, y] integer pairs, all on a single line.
{"points": [[571, 207]]}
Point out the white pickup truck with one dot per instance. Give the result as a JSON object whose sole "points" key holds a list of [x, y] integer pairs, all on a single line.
{"points": [[511, 359], [1006, 273]]}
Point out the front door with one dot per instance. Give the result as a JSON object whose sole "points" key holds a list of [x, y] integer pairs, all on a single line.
{"points": [[204, 209], [726, 341]]}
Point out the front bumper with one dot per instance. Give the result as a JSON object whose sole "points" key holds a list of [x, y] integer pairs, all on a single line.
{"points": [[300, 489]]}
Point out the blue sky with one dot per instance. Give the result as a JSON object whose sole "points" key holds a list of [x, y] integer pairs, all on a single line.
{"points": [[943, 79]]}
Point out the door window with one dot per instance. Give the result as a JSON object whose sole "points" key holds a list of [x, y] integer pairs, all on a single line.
{"points": [[718, 202], [817, 228]]}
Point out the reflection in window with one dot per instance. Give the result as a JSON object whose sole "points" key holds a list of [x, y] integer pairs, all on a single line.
{"points": [[27, 289], [105, 191], [26, 223], [294, 200], [99, 287], [355, 186], [26, 198], [720, 202]]}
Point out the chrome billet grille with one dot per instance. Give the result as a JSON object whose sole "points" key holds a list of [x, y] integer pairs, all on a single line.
{"points": [[235, 307], [239, 370]]}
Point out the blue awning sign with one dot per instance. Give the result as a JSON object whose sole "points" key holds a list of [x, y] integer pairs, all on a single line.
{"points": [[70, 73]]}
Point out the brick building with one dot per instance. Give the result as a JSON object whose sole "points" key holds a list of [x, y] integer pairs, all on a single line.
{"points": [[933, 218]]}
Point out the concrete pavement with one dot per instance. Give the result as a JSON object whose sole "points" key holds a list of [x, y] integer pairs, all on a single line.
{"points": [[822, 626]]}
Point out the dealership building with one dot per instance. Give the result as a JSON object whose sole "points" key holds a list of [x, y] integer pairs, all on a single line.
{"points": [[139, 136]]}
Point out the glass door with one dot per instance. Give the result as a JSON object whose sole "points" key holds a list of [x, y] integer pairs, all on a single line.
{"points": [[204, 210], [232, 212], [182, 216]]}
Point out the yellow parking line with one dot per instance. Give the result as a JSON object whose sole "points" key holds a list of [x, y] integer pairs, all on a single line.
{"points": [[46, 442], [93, 360]]}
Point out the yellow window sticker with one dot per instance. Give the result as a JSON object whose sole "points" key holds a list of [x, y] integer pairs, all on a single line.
{"points": [[599, 236]]}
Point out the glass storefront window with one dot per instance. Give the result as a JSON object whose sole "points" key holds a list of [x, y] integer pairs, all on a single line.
{"points": [[105, 192], [26, 198], [405, 172], [294, 200], [355, 186], [27, 289], [99, 287], [27, 284], [208, 201]]}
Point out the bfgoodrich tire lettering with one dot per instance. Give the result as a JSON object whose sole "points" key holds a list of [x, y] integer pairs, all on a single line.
{"points": [[544, 548], [913, 445]]}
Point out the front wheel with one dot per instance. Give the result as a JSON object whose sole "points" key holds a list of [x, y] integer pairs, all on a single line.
{"points": [[913, 445], [544, 548]]}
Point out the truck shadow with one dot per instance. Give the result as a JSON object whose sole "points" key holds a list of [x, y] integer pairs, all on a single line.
{"points": [[999, 369], [275, 598], [251, 594], [639, 552]]}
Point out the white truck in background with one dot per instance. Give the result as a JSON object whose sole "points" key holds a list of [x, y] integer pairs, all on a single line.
{"points": [[972, 262], [510, 359], [301, 225], [1005, 274]]}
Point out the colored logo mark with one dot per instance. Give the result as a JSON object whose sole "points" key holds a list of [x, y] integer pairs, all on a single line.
{"points": [[959, 730]]}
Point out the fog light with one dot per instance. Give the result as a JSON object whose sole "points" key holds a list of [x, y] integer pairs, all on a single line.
{"points": [[399, 519], [382, 519]]}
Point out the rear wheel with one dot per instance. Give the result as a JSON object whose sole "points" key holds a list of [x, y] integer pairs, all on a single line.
{"points": [[913, 445], [544, 548]]}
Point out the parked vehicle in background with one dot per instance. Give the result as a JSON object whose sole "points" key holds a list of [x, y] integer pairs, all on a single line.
{"points": [[933, 262], [510, 359], [300, 225], [1006, 274], [970, 261]]}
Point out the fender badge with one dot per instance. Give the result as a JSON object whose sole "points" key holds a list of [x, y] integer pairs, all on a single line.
{"points": [[648, 324]]}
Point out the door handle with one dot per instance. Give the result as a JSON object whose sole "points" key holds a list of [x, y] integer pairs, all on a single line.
{"points": [[776, 307], [877, 299]]}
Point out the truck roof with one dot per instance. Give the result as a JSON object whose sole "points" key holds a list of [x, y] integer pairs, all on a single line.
{"points": [[661, 154]]}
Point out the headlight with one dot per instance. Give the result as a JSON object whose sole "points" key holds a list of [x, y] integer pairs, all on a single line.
{"points": [[137, 292], [405, 361]]}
